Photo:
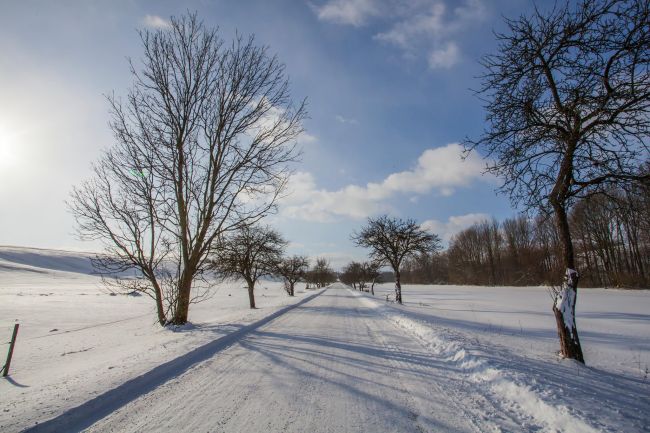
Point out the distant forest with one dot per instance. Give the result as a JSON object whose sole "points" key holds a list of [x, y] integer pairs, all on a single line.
{"points": [[611, 235]]}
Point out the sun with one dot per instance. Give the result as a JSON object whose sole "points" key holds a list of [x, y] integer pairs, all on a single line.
{"points": [[8, 147]]}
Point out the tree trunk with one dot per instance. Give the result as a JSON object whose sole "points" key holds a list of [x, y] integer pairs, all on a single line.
{"points": [[251, 295], [564, 306], [160, 310], [291, 289], [398, 288], [372, 288], [183, 302]]}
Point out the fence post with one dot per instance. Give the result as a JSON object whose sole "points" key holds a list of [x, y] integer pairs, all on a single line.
{"points": [[11, 351]]}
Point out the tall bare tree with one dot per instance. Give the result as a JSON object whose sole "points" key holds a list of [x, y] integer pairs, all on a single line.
{"points": [[250, 253], [203, 140], [292, 269], [568, 102], [391, 240]]}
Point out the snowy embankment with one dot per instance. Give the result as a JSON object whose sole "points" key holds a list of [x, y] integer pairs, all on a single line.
{"points": [[507, 352], [77, 341]]}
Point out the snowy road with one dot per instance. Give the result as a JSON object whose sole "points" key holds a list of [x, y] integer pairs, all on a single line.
{"points": [[329, 365]]}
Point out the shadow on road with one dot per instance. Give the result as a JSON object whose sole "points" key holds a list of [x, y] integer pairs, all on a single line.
{"points": [[85, 415]]}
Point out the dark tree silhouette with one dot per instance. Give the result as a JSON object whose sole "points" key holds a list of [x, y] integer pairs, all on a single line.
{"points": [[292, 269], [321, 274], [568, 102], [202, 145], [391, 240], [359, 275], [371, 274], [249, 253], [353, 275]]}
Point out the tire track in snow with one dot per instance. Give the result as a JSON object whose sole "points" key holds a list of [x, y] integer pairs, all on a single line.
{"points": [[434, 389], [499, 390], [481, 413]]}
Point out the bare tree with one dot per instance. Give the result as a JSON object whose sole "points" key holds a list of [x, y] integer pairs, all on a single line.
{"points": [[608, 231], [347, 277], [568, 103], [292, 269], [249, 253], [360, 275], [353, 274], [202, 145], [371, 274], [392, 240], [321, 274]]}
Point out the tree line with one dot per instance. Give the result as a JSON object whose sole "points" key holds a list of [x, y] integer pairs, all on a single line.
{"points": [[612, 247], [253, 252]]}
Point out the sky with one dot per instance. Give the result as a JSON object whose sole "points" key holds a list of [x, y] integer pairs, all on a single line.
{"points": [[389, 90]]}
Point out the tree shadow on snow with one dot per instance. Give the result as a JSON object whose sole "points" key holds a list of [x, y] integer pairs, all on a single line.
{"points": [[14, 383], [85, 415]]}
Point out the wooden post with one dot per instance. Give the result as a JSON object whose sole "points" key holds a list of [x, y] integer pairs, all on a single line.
{"points": [[11, 351]]}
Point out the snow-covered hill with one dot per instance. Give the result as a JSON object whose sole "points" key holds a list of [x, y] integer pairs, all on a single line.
{"points": [[40, 260]]}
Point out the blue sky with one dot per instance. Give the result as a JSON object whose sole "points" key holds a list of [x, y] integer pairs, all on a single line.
{"points": [[387, 81]]}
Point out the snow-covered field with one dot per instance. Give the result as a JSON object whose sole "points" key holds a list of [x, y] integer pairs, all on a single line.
{"points": [[614, 325], [505, 339], [76, 342]]}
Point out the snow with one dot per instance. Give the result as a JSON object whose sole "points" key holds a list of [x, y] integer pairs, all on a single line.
{"points": [[613, 324], [505, 340], [452, 358], [76, 340], [43, 260], [566, 299]]}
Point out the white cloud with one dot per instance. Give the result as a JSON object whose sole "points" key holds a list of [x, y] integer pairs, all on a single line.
{"points": [[420, 28], [156, 22], [295, 246], [445, 57], [453, 225], [305, 201], [351, 12], [277, 117], [441, 170], [305, 138], [407, 32], [344, 120], [471, 10], [433, 30]]}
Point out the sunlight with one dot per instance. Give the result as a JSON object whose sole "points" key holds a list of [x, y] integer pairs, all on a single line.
{"points": [[8, 147]]}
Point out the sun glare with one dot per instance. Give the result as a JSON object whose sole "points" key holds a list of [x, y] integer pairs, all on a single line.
{"points": [[8, 148]]}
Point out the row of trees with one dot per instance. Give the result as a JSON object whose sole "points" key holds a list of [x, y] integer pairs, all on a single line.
{"points": [[360, 275], [612, 247], [253, 252], [612, 235], [320, 275]]}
